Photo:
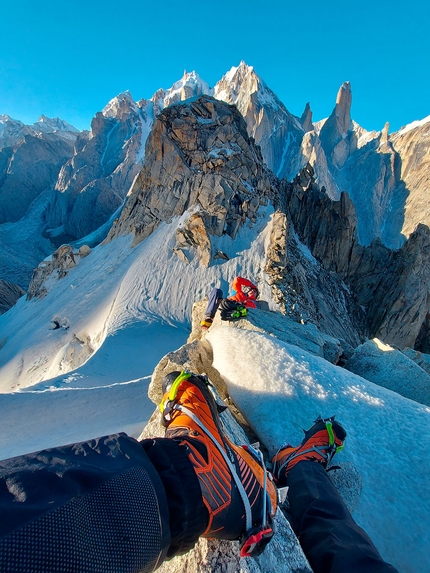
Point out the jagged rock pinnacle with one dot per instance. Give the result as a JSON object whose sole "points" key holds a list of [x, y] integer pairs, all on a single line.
{"points": [[343, 108], [306, 119]]}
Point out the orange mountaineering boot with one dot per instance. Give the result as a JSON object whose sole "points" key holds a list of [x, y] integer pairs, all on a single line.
{"points": [[236, 489], [320, 444]]}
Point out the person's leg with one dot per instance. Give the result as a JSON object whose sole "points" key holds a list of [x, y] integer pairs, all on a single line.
{"points": [[215, 298], [330, 538]]}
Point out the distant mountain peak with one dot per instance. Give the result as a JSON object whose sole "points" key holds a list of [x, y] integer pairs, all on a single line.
{"points": [[122, 103], [190, 85], [51, 125]]}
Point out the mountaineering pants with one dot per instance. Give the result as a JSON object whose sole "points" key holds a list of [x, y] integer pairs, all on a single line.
{"points": [[215, 298], [115, 505], [330, 538]]}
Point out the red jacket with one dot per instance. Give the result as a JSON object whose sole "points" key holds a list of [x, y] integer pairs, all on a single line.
{"points": [[247, 299]]}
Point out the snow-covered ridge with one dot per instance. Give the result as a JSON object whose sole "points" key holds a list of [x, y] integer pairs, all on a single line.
{"points": [[122, 102], [411, 126]]}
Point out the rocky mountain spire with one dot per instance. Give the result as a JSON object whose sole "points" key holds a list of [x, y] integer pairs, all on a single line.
{"points": [[198, 155], [120, 105], [190, 85], [306, 119], [336, 135], [268, 121]]}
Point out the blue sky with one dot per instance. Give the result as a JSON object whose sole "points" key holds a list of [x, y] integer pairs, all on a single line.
{"points": [[68, 59]]}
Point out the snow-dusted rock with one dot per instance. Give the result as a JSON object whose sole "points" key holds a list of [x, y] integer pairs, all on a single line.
{"points": [[61, 261], [84, 251], [198, 155], [390, 368], [274, 128]]}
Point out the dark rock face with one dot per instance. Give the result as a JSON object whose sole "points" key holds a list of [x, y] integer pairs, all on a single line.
{"points": [[392, 286], [28, 169], [197, 155], [9, 294]]}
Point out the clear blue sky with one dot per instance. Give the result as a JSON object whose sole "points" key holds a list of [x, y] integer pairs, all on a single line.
{"points": [[68, 59]]}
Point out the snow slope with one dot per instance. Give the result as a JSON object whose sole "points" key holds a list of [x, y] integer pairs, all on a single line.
{"points": [[281, 389], [126, 307], [113, 286], [106, 395]]}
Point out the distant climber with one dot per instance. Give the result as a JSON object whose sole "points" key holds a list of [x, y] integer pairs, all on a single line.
{"points": [[116, 504], [244, 295]]}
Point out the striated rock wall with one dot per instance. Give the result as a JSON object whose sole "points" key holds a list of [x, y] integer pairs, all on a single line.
{"points": [[392, 286]]}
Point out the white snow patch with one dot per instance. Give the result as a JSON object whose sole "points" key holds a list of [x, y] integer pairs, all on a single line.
{"points": [[146, 121], [412, 125], [284, 153], [281, 389]]}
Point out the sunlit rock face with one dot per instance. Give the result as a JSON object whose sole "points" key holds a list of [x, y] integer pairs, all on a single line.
{"points": [[198, 155], [274, 128]]}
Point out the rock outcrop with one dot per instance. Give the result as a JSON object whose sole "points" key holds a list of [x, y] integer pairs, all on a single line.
{"points": [[390, 368], [9, 294], [199, 156], [61, 261]]}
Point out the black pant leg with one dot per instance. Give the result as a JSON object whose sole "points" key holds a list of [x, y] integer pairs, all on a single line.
{"points": [[215, 298], [330, 538]]}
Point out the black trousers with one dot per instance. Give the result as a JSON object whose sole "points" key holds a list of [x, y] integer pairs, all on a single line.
{"points": [[115, 505], [330, 538]]}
